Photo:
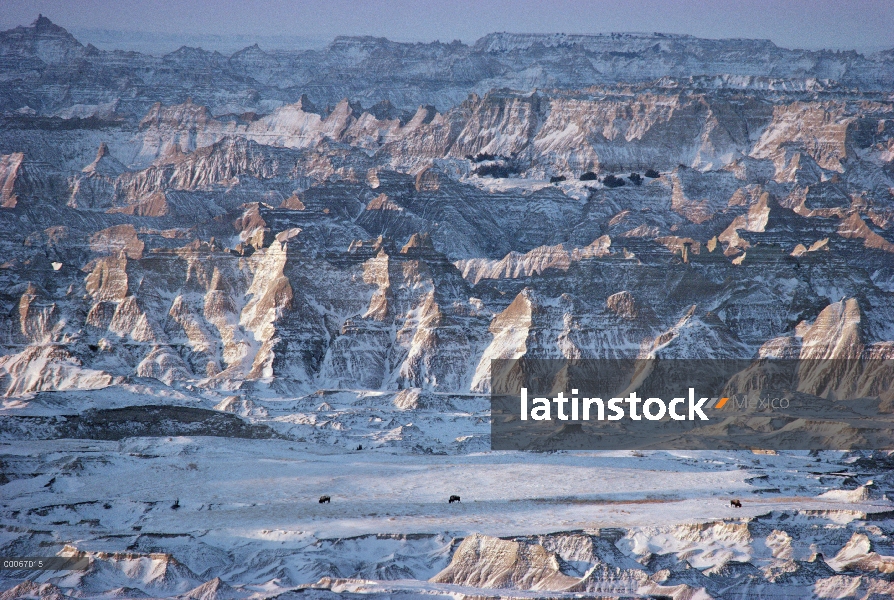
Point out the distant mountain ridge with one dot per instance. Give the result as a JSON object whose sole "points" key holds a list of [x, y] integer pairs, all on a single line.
{"points": [[370, 69]]}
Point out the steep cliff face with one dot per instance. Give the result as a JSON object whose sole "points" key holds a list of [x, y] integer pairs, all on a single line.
{"points": [[95, 187], [569, 133], [417, 328], [320, 244], [10, 165], [821, 129], [485, 562], [534, 262], [290, 295], [27, 182]]}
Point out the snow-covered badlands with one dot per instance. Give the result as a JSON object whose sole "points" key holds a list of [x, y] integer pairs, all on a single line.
{"points": [[231, 286], [174, 515]]}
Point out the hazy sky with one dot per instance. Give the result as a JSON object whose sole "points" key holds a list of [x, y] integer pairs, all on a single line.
{"points": [[859, 24]]}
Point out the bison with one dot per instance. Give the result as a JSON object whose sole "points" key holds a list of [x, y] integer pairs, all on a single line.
{"points": [[453, 499], [325, 499], [735, 503]]}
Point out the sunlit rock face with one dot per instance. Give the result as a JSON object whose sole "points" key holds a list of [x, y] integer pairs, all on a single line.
{"points": [[311, 242]]}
